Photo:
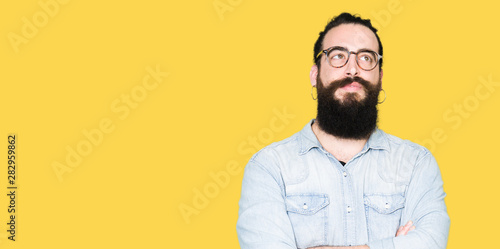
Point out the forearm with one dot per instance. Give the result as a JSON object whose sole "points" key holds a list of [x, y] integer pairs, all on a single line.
{"points": [[425, 206]]}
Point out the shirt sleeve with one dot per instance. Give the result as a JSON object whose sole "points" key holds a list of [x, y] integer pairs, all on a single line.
{"points": [[263, 221], [424, 206]]}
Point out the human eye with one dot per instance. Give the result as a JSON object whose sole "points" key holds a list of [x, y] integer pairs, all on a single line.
{"points": [[366, 57], [337, 55]]}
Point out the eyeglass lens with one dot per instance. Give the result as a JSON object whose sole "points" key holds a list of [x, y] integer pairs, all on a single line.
{"points": [[366, 60]]}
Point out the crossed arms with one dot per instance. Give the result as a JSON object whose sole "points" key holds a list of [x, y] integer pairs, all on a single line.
{"points": [[403, 230], [263, 221]]}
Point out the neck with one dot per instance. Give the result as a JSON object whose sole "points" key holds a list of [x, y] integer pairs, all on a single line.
{"points": [[343, 149]]}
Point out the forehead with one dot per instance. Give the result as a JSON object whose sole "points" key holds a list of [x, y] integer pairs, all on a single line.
{"points": [[351, 36]]}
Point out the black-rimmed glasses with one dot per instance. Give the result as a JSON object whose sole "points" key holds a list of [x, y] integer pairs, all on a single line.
{"points": [[339, 56]]}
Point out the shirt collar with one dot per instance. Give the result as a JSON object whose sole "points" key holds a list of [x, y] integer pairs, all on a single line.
{"points": [[308, 140], [378, 140]]}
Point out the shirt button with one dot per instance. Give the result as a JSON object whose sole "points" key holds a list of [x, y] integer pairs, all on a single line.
{"points": [[349, 209], [305, 206], [345, 174], [387, 206]]}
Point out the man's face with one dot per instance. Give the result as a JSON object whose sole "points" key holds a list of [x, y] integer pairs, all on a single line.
{"points": [[353, 37], [348, 96]]}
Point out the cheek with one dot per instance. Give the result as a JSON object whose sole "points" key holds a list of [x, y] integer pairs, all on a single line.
{"points": [[372, 77], [328, 76]]}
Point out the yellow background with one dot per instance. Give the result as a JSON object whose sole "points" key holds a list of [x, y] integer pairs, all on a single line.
{"points": [[229, 72]]}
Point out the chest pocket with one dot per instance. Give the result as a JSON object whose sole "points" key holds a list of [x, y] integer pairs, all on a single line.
{"points": [[308, 215], [383, 215]]}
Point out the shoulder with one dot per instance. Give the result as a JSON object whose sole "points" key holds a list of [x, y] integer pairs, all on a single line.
{"points": [[397, 145], [279, 150], [400, 158]]}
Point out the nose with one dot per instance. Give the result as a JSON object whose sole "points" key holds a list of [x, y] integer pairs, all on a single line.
{"points": [[352, 68]]}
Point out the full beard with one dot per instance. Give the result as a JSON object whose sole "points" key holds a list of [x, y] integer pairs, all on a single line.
{"points": [[349, 118]]}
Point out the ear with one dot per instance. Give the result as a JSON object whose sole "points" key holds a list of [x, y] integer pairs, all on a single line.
{"points": [[313, 75]]}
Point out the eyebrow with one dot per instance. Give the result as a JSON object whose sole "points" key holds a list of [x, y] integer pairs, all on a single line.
{"points": [[344, 48]]}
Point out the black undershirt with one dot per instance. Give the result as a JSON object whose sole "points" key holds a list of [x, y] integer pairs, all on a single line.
{"points": [[343, 163]]}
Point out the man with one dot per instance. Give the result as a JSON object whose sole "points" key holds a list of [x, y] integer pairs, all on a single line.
{"points": [[340, 182]]}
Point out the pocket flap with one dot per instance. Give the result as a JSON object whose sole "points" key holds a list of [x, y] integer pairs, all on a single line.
{"points": [[307, 204], [385, 204]]}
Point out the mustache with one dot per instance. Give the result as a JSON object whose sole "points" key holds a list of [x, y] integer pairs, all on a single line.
{"points": [[348, 80]]}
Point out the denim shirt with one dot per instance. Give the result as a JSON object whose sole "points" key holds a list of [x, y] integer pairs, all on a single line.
{"points": [[295, 194]]}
